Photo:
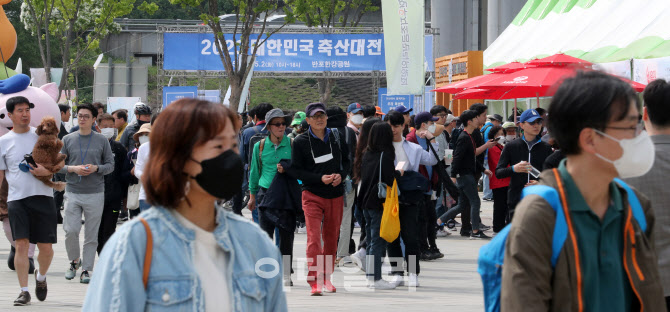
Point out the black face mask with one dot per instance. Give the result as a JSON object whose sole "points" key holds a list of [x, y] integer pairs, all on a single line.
{"points": [[222, 175], [141, 122]]}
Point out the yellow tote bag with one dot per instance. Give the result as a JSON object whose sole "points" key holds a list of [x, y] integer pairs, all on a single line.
{"points": [[390, 226]]}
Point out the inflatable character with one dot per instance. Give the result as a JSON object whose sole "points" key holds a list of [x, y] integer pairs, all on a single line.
{"points": [[7, 42]]}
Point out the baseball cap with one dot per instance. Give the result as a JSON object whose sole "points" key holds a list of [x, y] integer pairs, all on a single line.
{"points": [[298, 118], [496, 117], [314, 108], [450, 119], [508, 125], [423, 117], [403, 110], [379, 110], [529, 115], [354, 108], [274, 113]]}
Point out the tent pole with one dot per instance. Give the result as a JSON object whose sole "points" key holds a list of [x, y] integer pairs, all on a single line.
{"points": [[537, 94], [515, 110]]}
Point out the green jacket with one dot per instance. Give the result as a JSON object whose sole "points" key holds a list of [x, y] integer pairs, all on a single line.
{"points": [[271, 156], [530, 284]]}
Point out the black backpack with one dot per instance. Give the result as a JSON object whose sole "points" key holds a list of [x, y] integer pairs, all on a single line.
{"points": [[257, 137]]}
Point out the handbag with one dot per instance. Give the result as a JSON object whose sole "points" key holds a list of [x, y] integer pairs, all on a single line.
{"points": [[133, 201], [381, 186], [390, 224]]}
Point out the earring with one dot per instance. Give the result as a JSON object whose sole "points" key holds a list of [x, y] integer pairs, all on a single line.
{"points": [[187, 188]]}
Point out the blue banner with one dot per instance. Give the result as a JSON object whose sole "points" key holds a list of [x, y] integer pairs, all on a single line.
{"points": [[281, 52], [389, 102], [210, 95], [171, 94]]}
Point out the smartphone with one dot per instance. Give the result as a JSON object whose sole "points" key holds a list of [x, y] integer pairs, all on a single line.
{"points": [[29, 159], [534, 172]]}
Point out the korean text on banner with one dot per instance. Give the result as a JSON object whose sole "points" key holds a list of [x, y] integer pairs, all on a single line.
{"points": [[404, 47], [171, 94]]}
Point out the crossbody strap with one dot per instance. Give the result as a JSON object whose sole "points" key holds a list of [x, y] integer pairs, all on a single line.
{"points": [[147, 255], [380, 167]]}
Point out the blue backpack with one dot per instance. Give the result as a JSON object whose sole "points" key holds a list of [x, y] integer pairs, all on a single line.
{"points": [[491, 255]]}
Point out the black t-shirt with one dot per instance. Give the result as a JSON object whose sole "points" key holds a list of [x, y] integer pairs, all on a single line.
{"points": [[479, 141]]}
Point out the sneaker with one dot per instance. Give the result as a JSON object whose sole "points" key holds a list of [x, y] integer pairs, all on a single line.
{"points": [[436, 253], [84, 278], [72, 271], [329, 286], [479, 235], [426, 255], [23, 299], [442, 233], [413, 280], [398, 280], [466, 234], [356, 225], [10, 258], [288, 282], [40, 289], [359, 258], [302, 230], [456, 223], [381, 285], [484, 227], [316, 289], [487, 199]]}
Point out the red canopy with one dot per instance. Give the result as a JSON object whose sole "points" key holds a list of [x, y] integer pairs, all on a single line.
{"points": [[509, 68], [558, 60], [467, 83]]}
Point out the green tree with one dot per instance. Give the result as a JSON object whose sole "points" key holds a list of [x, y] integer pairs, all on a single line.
{"points": [[327, 14], [78, 26]]}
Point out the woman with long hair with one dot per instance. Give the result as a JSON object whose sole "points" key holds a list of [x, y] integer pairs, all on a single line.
{"points": [[186, 253], [379, 158]]}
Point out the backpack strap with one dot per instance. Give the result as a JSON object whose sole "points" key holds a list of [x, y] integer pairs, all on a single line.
{"points": [[635, 205], [260, 154], [147, 255], [561, 227]]}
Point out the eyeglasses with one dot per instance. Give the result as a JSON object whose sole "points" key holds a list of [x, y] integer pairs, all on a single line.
{"points": [[84, 117], [320, 116], [638, 128], [278, 124]]}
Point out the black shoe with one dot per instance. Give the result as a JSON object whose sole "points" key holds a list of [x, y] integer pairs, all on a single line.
{"points": [[10, 259], [40, 289], [479, 235], [425, 255], [31, 269], [466, 233], [23, 299], [436, 253]]}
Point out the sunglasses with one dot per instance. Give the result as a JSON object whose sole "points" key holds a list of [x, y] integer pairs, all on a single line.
{"points": [[279, 124]]}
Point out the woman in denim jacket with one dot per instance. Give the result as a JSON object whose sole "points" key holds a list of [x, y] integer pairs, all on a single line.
{"points": [[203, 258]]}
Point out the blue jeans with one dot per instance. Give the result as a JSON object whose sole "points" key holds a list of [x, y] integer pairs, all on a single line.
{"points": [[488, 193], [376, 245], [469, 199]]}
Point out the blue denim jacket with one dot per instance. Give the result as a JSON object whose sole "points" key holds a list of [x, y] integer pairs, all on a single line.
{"points": [[173, 283]]}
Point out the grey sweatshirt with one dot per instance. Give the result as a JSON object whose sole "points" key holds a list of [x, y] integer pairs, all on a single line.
{"points": [[80, 152]]}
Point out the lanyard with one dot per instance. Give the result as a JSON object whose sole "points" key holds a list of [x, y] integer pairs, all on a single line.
{"points": [[474, 146]]}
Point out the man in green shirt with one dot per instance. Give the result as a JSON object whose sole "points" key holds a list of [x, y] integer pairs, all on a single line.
{"points": [[265, 164], [607, 262]]}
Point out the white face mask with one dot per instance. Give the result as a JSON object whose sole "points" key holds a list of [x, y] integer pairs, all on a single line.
{"points": [[107, 132], [638, 155], [144, 139], [431, 128], [510, 137], [357, 119], [501, 140]]}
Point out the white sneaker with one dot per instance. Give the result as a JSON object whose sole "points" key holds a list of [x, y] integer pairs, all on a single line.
{"points": [[442, 233], [359, 258], [386, 268], [302, 230], [398, 280], [382, 285], [413, 280]]}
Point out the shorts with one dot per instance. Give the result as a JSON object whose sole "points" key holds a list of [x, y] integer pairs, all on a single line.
{"points": [[34, 218]]}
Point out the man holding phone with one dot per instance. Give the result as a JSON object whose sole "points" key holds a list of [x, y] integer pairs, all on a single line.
{"points": [[520, 157]]}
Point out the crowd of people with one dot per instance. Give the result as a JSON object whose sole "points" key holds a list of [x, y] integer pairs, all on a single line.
{"points": [[319, 172]]}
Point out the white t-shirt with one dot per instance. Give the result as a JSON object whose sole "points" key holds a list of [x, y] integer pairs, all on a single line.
{"points": [[13, 147], [400, 154], [211, 265], [142, 158]]}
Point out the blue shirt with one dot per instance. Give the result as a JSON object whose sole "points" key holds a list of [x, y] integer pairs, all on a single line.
{"points": [[325, 138]]}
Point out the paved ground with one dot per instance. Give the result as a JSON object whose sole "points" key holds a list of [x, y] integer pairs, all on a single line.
{"points": [[451, 283]]}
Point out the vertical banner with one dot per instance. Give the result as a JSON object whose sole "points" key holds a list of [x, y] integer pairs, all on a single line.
{"points": [[404, 45]]}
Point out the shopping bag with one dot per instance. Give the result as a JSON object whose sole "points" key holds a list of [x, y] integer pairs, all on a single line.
{"points": [[133, 201], [390, 226]]}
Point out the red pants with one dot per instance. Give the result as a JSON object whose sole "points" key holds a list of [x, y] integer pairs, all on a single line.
{"points": [[321, 215]]}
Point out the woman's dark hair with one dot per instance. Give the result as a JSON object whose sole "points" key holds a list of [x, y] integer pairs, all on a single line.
{"points": [[493, 131], [588, 100], [369, 111], [183, 125], [154, 117], [395, 118], [381, 138], [362, 145]]}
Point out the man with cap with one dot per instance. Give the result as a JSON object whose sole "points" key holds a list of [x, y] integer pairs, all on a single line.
{"points": [[510, 131], [266, 161], [378, 112], [519, 157], [426, 123], [142, 116], [355, 116], [321, 164], [297, 119]]}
